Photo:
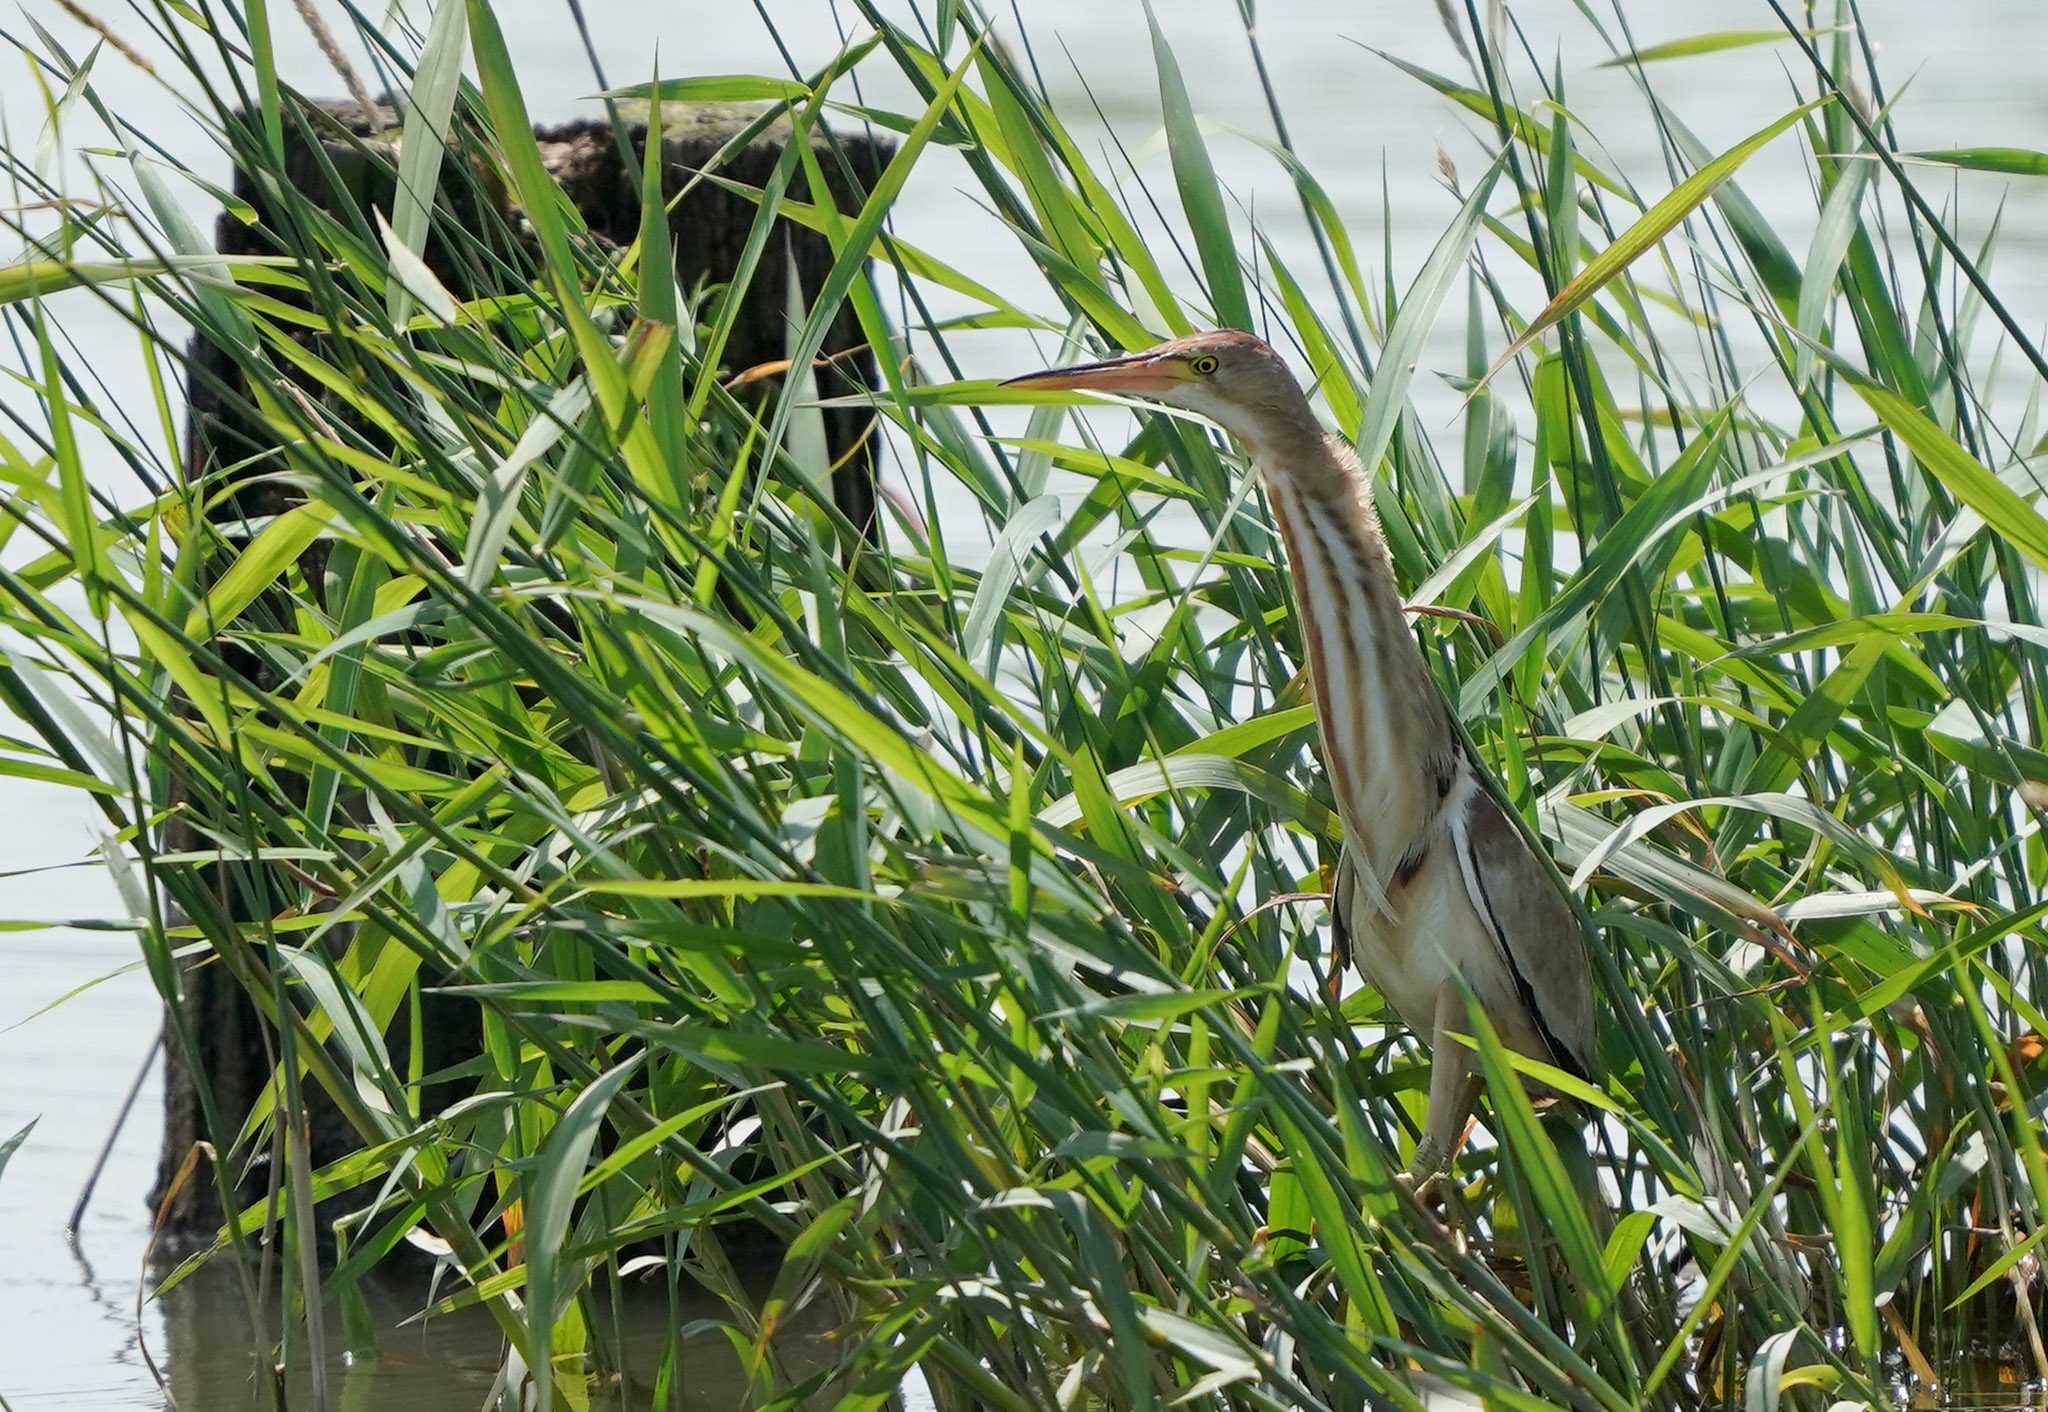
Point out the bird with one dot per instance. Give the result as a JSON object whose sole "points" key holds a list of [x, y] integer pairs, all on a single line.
{"points": [[1436, 891]]}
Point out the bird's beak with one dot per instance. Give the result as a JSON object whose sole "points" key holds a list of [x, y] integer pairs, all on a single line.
{"points": [[1141, 374]]}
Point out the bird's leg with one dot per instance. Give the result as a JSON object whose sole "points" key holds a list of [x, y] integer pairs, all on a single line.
{"points": [[1453, 1089]]}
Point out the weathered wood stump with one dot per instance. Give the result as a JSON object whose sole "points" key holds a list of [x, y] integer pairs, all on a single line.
{"points": [[348, 178]]}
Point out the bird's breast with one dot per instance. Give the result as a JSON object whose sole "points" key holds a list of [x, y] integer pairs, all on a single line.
{"points": [[1384, 740]]}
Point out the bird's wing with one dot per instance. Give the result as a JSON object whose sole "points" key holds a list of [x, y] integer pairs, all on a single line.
{"points": [[1342, 948], [1538, 935]]}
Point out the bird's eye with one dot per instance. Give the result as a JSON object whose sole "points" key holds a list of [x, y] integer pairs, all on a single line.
{"points": [[1204, 365]]}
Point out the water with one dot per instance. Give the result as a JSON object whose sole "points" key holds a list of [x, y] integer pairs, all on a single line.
{"points": [[450, 1364], [70, 1332]]}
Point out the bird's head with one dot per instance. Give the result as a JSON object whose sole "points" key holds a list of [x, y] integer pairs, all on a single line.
{"points": [[1231, 378]]}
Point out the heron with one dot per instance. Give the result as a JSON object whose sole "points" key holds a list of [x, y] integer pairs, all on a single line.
{"points": [[1436, 892]]}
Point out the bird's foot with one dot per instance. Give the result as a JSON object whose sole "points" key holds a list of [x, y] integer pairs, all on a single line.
{"points": [[1423, 1168], [1434, 1202]]}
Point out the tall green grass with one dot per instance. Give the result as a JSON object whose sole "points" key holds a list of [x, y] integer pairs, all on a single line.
{"points": [[958, 924]]}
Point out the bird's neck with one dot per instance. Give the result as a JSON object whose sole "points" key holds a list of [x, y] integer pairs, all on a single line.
{"points": [[1323, 501], [1385, 737]]}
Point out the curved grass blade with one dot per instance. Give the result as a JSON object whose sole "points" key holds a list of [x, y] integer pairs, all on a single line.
{"points": [[29, 279], [1519, 122], [2013, 161], [1717, 42], [550, 1201], [1005, 567], [1656, 223], [275, 548], [8, 1147], [1636, 534], [1965, 477], [714, 88], [436, 79], [498, 503], [1838, 221], [850, 255], [1201, 196], [412, 280], [1388, 396]]}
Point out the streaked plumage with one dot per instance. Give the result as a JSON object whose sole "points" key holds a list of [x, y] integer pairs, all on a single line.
{"points": [[1434, 880]]}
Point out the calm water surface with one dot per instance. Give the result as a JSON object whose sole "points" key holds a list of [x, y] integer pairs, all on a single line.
{"points": [[70, 1333]]}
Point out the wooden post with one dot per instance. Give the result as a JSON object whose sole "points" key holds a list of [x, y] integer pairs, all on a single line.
{"points": [[710, 226]]}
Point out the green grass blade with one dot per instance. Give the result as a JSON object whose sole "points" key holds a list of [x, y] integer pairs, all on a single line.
{"points": [[1694, 45], [550, 1197], [2012, 161], [851, 254], [1388, 398], [1656, 223], [1839, 218], [435, 81], [714, 88], [1201, 196], [1966, 478]]}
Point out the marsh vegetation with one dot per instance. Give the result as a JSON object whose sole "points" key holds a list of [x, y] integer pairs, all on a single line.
{"points": [[943, 901]]}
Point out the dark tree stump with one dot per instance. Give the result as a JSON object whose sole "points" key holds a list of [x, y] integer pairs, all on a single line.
{"points": [[347, 178], [710, 226]]}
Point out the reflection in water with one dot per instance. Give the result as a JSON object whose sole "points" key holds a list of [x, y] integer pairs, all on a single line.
{"points": [[103, 1301], [450, 1363]]}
